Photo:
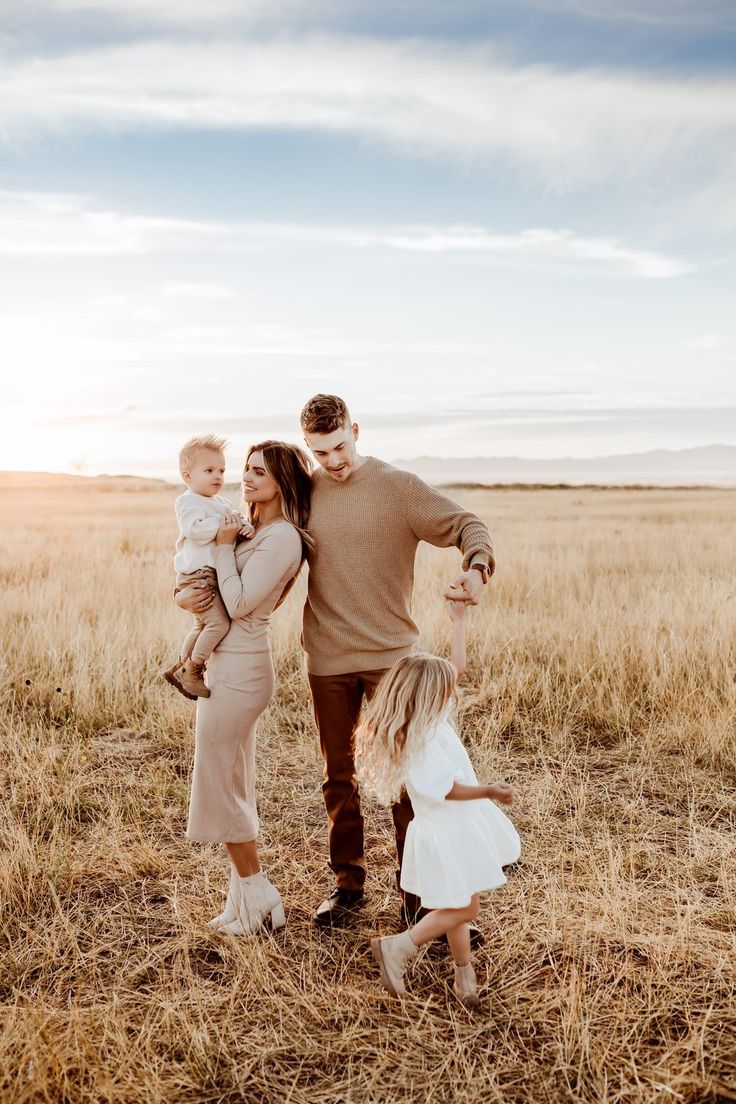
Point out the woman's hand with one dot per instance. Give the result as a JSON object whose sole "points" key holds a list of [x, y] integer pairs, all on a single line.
{"points": [[195, 598], [230, 526]]}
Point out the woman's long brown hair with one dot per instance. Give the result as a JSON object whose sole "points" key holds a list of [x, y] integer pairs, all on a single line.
{"points": [[291, 471]]}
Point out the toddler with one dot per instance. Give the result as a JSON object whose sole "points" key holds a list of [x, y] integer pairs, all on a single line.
{"points": [[458, 842], [199, 512]]}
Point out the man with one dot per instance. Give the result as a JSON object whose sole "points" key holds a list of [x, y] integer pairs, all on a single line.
{"points": [[367, 519]]}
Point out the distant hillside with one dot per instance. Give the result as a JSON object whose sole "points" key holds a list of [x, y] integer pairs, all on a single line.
{"points": [[709, 464], [61, 481]]}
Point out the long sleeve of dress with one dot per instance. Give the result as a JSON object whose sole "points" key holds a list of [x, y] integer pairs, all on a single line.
{"points": [[434, 518], [277, 553]]}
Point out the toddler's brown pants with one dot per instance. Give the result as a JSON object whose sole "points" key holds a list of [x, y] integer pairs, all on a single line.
{"points": [[209, 627]]}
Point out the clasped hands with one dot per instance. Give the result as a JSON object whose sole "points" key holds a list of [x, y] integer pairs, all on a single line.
{"points": [[466, 589], [232, 526]]}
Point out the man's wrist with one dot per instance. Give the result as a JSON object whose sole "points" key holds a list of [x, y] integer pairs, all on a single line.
{"points": [[482, 570]]}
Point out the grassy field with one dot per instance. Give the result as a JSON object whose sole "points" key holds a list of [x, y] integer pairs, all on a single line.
{"points": [[601, 682]]}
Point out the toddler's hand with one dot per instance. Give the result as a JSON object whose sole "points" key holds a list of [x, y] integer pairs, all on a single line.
{"points": [[246, 529], [503, 792]]}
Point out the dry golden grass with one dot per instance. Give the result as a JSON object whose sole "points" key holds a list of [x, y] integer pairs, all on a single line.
{"points": [[601, 683]]}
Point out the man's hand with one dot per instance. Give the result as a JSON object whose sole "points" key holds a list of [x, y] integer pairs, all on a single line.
{"points": [[195, 598], [466, 588]]}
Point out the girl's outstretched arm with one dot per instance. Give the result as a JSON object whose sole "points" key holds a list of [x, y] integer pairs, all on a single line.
{"points": [[456, 610], [497, 791]]}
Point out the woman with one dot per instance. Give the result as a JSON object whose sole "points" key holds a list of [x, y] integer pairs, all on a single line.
{"points": [[253, 579]]}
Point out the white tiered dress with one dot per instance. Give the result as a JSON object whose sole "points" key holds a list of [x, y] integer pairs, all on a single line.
{"points": [[453, 848]]}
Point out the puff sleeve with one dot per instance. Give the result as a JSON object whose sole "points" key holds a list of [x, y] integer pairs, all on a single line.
{"points": [[433, 774]]}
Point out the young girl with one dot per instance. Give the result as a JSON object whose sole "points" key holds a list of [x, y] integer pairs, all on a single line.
{"points": [[458, 842]]}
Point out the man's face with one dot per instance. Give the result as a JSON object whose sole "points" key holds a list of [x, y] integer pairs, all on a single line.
{"points": [[336, 451]]}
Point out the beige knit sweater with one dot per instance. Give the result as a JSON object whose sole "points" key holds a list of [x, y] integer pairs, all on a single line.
{"points": [[366, 531]]}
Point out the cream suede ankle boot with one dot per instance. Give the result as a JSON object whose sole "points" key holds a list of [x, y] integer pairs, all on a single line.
{"points": [[232, 903], [393, 953], [259, 901], [464, 987]]}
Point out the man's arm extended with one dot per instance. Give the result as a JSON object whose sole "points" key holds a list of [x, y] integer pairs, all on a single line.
{"points": [[435, 518]]}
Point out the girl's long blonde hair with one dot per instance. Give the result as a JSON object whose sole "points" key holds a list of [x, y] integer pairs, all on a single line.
{"points": [[394, 727]]}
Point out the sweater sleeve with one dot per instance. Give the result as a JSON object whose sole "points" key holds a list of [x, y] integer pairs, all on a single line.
{"points": [[269, 563], [195, 525], [436, 519]]}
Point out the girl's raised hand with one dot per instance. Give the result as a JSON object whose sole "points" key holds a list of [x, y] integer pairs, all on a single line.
{"points": [[503, 792], [455, 606]]}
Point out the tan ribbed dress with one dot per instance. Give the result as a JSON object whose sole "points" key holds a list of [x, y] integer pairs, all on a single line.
{"points": [[251, 578]]}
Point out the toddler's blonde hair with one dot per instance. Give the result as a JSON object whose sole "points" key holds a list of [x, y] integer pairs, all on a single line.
{"points": [[208, 441], [393, 730]]}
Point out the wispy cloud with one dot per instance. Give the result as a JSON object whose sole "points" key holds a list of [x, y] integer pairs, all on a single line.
{"points": [[177, 289], [617, 410], [37, 224], [185, 12], [53, 224], [656, 13], [708, 343], [173, 13], [541, 244], [571, 128]]}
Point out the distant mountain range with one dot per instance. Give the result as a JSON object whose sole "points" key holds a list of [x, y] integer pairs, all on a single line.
{"points": [[710, 464]]}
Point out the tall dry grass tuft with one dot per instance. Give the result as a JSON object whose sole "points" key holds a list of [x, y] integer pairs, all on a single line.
{"points": [[600, 682]]}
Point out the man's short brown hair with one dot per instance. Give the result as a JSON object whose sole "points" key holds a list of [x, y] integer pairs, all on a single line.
{"points": [[324, 414]]}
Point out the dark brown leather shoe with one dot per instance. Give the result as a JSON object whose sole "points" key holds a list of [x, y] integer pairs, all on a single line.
{"points": [[337, 910]]}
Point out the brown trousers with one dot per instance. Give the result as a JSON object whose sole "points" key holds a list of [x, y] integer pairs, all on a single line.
{"points": [[337, 703]]}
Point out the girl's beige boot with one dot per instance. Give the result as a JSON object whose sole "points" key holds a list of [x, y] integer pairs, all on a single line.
{"points": [[464, 987], [393, 953]]}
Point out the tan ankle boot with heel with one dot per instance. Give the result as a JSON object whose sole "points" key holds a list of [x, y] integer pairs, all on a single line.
{"points": [[260, 903], [232, 903]]}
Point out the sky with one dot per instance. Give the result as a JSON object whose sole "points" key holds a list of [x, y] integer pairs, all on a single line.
{"points": [[495, 228]]}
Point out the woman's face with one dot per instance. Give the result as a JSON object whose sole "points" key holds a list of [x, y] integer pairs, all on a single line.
{"points": [[258, 486]]}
